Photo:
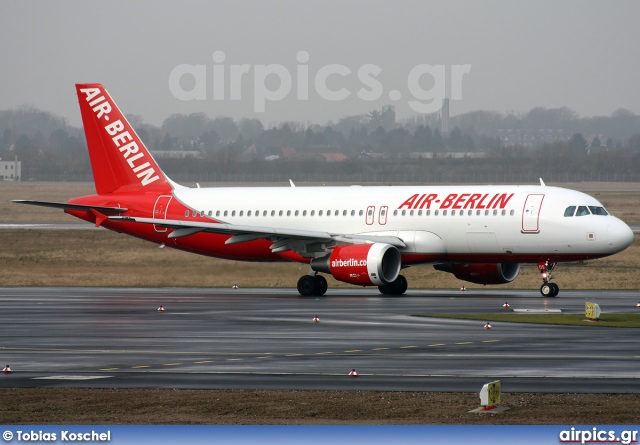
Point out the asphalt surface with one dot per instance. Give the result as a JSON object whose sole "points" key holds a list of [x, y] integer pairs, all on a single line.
{"points": [[266, 339]]}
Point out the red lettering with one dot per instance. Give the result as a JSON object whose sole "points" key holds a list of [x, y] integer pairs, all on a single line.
{"points": [[459, 201], [409, 202], [480, 205], [428, 200], [415, 206], [503, 200], [492, 200], [448, 201], [471, 202]]}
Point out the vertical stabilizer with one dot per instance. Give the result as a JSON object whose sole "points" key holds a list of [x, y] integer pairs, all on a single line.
{"points": [[119, 159]]}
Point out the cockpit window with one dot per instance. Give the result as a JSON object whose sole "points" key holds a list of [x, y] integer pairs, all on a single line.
{"points": [[598, 210], [583, 211], [570, 211]]}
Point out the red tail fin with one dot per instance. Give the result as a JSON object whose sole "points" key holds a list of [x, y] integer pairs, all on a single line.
{"points": [[119, 159]]}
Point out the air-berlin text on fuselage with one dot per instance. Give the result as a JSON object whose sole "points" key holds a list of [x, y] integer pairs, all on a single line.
{"points": [[351, 262], [457, 201], [121, 135]]}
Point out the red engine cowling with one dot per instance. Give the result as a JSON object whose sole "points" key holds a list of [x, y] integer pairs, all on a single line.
{"points": [[482, 273], [362, 264]]}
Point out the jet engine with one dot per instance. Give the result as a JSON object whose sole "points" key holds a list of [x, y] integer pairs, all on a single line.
{"points": [[482, 273], [362, 264]]}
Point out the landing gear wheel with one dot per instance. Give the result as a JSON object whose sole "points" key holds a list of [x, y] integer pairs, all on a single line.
{"points": [[397, 287], [307, 285], [549, 290], [321, 285]]}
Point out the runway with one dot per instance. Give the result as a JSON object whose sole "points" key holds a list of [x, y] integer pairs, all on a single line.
{"points": [[266, 339]]}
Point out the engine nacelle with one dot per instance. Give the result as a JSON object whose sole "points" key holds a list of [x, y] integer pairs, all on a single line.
{"points": [[482, 273], [362, 264]]}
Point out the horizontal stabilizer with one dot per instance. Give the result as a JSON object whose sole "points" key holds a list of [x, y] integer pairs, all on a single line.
{"points": [[65, 206]]}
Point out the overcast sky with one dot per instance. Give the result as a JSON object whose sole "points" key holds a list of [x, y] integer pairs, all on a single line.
{"points": [[346, 57]]}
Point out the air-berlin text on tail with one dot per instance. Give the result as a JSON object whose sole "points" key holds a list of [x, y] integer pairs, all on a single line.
{"points": [[457, 201], [120, 135]]}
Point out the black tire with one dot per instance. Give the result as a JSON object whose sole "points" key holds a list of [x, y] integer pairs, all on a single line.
{"points": [[307, 285], [546, 289], [401, 285], [397, 287], [555, 289], [321, 286]]}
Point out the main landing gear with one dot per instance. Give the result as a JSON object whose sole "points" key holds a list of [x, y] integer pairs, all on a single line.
{"points": [[312, 285], [316, 285], [548, 289], [396, 287]]}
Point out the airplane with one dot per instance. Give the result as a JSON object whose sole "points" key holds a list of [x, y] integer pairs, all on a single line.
{"points": [[360, 235]]}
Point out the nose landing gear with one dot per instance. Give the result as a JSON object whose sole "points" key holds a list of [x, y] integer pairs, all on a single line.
{"points": [[548, 289]]}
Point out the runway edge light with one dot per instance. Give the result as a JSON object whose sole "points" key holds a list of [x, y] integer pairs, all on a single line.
{"points": [[7, 369], [490, 399], [160, 309], [487, 326], [353, 373]]}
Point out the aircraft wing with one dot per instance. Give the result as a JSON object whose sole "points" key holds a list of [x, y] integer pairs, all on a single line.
{"points": [[284, 239], [65, 206]]}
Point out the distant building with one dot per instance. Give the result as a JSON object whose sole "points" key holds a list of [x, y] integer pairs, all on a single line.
{"points": [[10, 170]]}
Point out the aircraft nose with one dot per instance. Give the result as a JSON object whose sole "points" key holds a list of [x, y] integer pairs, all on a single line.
{"points": [[619, 235]]}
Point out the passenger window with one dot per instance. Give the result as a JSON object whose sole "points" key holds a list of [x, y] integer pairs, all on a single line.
{"points": [[436, 213], [470, 212], [512, 212], [320, 213], [297, 211], [313, 212], [444, 213], [195, 213], [233, 213], [280, 213], [210, 213], [264, 213], [186, 213], [404, 212], [288, 212], [570, 211], [241, 212], [583, 211], [225, 212], [600, 211], [304, 213], [453, 213], [419, 212], [478, 212], [249, 213], [328, 212], [395, 213], [353, 213], [344, 213], [428, 212], [495, 213], [273, 213], [486, 213], [504, 212], [360, 213]]}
